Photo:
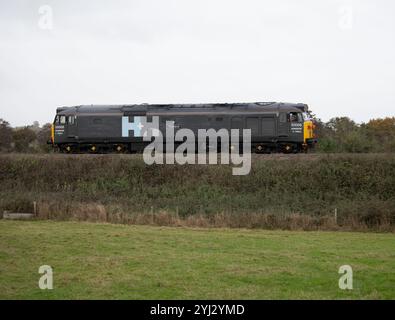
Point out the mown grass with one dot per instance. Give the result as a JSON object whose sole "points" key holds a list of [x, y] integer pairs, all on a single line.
{"points": [[106, 261]]}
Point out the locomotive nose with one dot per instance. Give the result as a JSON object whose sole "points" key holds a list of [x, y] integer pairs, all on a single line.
{"points": [[312, 137], [53, 133]]}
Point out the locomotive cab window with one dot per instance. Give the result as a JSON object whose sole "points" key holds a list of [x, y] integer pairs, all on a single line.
{"points": [[62, 120], [71, 119], [295, 117], [306, 117]]}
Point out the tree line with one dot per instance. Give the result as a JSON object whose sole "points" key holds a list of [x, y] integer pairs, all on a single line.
{"points": [[340, 134], [27, 139]]}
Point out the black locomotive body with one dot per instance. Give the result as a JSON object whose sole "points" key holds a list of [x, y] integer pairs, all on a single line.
{"points": [[275, 127]]}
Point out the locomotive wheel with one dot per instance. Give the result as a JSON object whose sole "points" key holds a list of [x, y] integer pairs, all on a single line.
{"points": [[66, 149], [259, 149], [93, 149], [288, 148], [119, 148]]}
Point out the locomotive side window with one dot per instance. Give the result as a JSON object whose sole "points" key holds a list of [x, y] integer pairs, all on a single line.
{"points": [[71, 120], [283, 117]]}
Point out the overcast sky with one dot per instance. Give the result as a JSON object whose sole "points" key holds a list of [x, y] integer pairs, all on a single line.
{"points": [[336, 56]]}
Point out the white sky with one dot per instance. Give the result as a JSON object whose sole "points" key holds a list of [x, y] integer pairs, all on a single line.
{"points": [[336, 55]]}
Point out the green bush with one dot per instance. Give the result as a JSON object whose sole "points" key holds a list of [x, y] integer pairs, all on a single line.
{"points": [[304, 184]]}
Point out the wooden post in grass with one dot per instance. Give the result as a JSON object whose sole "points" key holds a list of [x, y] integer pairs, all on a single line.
{"points": [[35, 208], [336, 215], [178, 216]]}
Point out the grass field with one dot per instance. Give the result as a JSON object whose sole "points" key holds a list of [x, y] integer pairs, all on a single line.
{"points": [[143, 262]]}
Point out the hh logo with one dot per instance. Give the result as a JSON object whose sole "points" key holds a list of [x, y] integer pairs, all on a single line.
{"points": [[136, 126], [140, 126]]}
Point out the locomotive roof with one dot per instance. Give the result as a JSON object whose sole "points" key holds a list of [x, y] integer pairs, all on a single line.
{"points": [[255, 106]]}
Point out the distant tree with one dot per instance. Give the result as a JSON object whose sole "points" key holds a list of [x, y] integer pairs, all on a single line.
{"points": [[382, 131], [5, 136], [35, 126], [341, 134], [23, 139], [323, 133], [43, 135], [341, 125], [356, 141]]}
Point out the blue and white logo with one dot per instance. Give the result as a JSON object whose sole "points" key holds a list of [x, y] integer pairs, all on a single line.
{"points": [[137, 126], [140, 127]]}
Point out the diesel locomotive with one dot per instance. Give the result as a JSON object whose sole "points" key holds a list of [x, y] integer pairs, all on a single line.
{"points": [[275, 127]]}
